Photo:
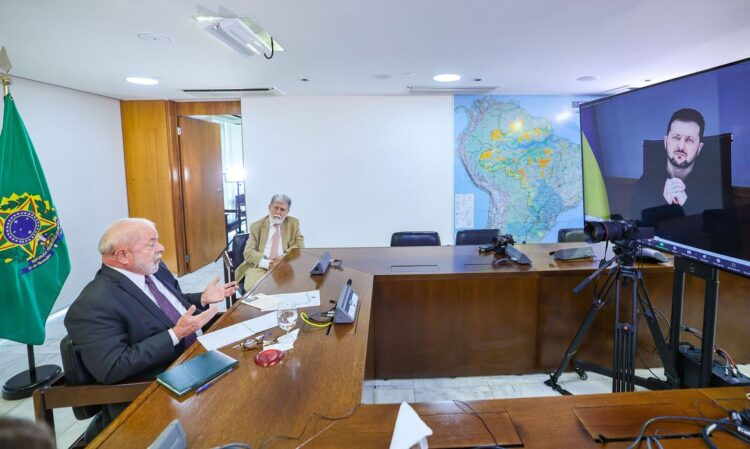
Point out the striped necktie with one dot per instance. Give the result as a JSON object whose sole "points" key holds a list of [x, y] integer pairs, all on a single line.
{"points": [[169, 310]]}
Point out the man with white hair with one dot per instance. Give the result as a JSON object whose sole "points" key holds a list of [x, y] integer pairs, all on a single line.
{"points": [[132, 321], [270, 238]]}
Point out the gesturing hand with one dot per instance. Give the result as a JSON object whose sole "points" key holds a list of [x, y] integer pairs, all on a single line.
{"points": [[674, 191], [215, 292], [189, 323]]}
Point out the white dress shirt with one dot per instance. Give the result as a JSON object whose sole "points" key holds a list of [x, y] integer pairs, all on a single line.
{"points": [[140, 281]]}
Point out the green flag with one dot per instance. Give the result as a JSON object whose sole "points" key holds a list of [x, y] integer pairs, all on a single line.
{"points": [[34, 259]]}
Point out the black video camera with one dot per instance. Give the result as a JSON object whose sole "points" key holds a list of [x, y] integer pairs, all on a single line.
{"points": [[614, 231], [499, 242]]}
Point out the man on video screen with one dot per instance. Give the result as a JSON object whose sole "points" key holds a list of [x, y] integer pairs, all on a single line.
{"points": [[683, 195], [679, 183]]}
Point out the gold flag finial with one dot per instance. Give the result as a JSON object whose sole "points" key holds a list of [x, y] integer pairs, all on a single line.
{"points": [[5, 66]]}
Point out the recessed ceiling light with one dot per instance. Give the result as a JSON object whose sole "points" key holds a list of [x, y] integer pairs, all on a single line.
{"points": [[155, 38], [383, 76], [447, 77], [587, 78], [304, 79], [143, 81], [478, 79]]}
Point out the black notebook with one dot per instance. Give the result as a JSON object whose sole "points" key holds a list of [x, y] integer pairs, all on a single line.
{"points": [[196, 372]]}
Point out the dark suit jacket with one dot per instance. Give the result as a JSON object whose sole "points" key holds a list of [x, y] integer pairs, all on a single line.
{"points": [[121, 334]]}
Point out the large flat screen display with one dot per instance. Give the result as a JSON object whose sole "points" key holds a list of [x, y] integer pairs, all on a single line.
{"points": [[675, 156]]}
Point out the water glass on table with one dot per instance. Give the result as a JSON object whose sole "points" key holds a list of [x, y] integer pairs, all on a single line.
{"points": [[286, 314]]}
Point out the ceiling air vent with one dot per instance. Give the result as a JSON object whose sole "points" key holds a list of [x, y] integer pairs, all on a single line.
{"points": [[452, 90], [234, 93]]}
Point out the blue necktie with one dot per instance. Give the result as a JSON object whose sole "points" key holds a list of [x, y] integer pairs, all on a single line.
{"points": [[169, 310]]}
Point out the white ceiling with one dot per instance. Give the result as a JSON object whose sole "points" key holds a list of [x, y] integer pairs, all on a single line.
{"points": [[525, 46]]}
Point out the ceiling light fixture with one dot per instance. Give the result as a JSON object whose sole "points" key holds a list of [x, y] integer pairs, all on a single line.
{"points": [[142, 80], [155, 38], [447, 77], [587, 78], [240, 36]]}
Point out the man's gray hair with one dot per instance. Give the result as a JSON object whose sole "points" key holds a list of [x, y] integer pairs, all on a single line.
{"points": [[281, 198], [122, 233]]}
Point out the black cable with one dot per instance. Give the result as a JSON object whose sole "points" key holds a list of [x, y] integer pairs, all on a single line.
{"points": [[272, 50], [475, 414], [720, 424], [304, 429]]}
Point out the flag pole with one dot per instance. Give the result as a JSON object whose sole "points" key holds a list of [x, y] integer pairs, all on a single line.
{"points": [[23, 384], [6, 82]]}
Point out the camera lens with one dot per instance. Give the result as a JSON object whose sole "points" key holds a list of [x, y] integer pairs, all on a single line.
{"points": [[599, 231]]}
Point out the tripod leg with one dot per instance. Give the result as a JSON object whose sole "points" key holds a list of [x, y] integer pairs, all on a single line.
{"points": [[670, 369], [598, 303], [623, 364]]}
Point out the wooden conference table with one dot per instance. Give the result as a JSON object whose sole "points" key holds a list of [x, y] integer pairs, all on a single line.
{"points": [[424, 312]]}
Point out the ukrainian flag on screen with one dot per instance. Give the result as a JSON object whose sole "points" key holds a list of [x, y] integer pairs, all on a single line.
{"points": [[595, 201]]}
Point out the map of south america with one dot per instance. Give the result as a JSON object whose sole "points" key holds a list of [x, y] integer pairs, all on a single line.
{"points": [[530, 174]]}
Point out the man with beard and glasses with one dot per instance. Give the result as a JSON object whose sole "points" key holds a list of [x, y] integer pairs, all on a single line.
{"points": [[132, 321], [270, 238], [678, 185]]}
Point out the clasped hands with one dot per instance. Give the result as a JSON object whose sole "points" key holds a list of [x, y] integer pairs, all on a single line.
{"points": [[674, 191], [189, 323]]}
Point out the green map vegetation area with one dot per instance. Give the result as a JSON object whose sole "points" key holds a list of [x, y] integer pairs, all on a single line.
{"points": [[528, 174]]}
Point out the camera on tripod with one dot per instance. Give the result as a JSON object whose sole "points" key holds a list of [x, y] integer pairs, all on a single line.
{"points": [[499, 242], [615, 231]]}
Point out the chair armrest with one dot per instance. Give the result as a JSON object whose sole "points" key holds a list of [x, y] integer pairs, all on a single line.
{"points": [[60, 395]]}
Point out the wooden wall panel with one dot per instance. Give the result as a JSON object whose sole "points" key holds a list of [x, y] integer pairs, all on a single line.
{"points": [[148, 169], [208, 107], [476, 325]]}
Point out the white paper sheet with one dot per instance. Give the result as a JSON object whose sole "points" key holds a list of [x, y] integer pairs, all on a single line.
{"points": [[236, 332], [270, 302], [409, 430], [285, 342]]}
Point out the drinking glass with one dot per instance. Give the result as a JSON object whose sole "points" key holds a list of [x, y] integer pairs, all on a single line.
{"points": [[286, 314]]}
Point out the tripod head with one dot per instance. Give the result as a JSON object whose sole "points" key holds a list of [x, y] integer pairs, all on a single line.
{"points": [[625, 252]]}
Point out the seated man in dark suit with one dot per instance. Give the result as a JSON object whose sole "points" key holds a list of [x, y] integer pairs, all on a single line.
{"points": [[132, 321]]}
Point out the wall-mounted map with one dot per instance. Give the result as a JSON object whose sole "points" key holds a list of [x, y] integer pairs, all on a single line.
{"points": [[518, 165]]}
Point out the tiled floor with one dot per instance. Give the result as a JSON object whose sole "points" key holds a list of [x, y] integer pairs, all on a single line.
{"points": [[13, 360]]}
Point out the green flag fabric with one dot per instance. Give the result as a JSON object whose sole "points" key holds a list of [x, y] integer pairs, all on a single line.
{"points": [[34, 259]]}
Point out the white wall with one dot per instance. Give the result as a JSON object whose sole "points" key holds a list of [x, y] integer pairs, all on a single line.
{"points": [[357, 168], [78, 139]]}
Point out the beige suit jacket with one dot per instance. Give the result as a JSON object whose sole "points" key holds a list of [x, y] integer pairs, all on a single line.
{"points": [[291, 237]]}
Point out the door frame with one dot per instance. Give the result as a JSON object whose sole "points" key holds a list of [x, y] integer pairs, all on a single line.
{"points": [[188, 108]]}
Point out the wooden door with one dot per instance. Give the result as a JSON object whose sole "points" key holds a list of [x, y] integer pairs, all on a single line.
{"points": [[202, 191]]}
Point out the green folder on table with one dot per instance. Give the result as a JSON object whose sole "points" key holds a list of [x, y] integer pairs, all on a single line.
{"points": [[196, 372]]}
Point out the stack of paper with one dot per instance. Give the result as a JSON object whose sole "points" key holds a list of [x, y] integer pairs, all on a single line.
{"points": [[267, 303], [236, 332]]}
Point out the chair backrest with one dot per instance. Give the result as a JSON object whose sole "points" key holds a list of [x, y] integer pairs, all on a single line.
{"points": [[238, 248], [233, 258], [75, 373], [571, 235], [239, 200], [475, 236], [415, 238]]}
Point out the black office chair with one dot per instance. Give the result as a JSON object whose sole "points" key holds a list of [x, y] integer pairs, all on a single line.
{"points": [[415, 238], [75, 373], [475, 236], [233, 258], [571, 235], [77, 388]]}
